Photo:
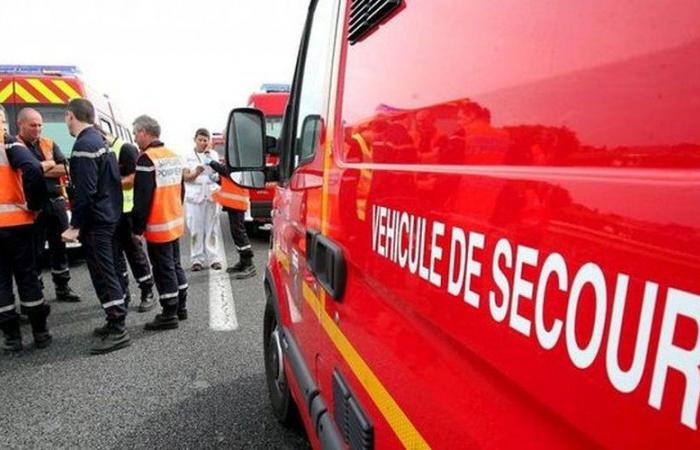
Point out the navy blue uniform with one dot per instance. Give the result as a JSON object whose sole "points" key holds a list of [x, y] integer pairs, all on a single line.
{"points": [[52, 221], [130, 243], [17, 248], [96, 199]]}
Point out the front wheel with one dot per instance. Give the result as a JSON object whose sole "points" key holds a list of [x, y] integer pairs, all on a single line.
{"points": [[280, 397]]}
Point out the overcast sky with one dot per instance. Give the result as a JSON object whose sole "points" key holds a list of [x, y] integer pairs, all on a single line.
{"points": [[185, 62]]}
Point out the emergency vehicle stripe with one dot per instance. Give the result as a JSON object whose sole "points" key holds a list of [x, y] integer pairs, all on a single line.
{"points": [[7, 308], [44, 90], [66, 89], [24, 94], [5, 93], [395, 417], [402, 426]]}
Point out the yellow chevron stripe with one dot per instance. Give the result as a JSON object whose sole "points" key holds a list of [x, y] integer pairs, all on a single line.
{"points": [[24, 94], [45, 91], [66, 88], [5, 93]]}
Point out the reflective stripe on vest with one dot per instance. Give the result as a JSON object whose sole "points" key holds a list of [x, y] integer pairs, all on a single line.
{"points": [[166, 220], [13, 206], [128, 194], [232, 195]]}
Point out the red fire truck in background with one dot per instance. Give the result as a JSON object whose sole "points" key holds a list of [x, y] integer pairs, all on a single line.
{"points": [[48, 89], [486, 229], [272, 100]]}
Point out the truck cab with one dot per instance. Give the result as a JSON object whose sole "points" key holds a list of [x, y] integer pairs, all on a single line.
{"points": [[486, 225]]}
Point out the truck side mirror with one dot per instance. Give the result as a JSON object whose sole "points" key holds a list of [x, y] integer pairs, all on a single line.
{"points": [[245, 147]]}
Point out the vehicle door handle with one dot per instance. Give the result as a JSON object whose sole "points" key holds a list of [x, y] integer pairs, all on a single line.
{"points": [[325, 259]]}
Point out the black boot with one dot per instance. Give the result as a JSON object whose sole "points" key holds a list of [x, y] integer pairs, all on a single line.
{"points": [[182, 305], [113, 337], [37, 319], [13, 336], [166, 321], [235, 268], [148, 302], [65, 294], [247, 269]]}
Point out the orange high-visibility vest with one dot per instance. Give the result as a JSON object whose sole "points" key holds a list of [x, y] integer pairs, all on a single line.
{"points": [[166, 220], [46, 147], [13, 205], [232, 195]]}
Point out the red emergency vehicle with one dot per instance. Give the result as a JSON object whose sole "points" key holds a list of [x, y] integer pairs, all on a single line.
{"points": [[486, 230], [48, 89], [271, 100]]}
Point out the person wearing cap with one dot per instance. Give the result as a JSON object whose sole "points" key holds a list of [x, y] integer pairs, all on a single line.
{"points": [[201, 208]]}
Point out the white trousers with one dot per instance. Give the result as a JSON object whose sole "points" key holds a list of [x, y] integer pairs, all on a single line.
{"points": [[203, 223]]}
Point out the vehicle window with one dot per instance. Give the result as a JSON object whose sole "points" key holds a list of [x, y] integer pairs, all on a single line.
{"points": [[273, 126], [104, 123], [314, 84], [54, 125]]}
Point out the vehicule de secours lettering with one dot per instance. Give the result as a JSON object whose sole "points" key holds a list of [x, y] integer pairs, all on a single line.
{"points": [[418, 245]]}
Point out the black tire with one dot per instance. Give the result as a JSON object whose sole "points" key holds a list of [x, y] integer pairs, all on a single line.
{"points": [[281, 399]]}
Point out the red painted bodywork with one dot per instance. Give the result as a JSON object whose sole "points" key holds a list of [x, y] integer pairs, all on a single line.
{"points": [[569, 129]]}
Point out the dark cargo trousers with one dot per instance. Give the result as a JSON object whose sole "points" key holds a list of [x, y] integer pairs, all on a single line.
{"points": [[101, 254], [49, 224], [132, 247], [17, 261], [236, 220], [169, 277]]}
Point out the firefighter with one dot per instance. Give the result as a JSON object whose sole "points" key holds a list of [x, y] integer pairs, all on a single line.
{"points": [[159, 216], [96, 200], [130, 244], [201, 209], [22, 191], [52, 219], [235, 201]]}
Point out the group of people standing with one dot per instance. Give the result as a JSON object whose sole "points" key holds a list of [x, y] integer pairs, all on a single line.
{"points": [[120, 196]]}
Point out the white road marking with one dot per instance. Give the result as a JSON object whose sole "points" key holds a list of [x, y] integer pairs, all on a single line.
{"points": [[222, 309]]}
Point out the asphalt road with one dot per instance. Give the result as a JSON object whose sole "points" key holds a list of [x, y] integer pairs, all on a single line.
{"points": [[194, 387]]}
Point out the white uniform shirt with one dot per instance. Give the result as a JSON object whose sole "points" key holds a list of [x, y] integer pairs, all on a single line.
{"points": [[205, 184]]}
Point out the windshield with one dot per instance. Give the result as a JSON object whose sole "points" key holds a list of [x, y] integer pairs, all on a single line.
{"points": [[273, 126]]}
